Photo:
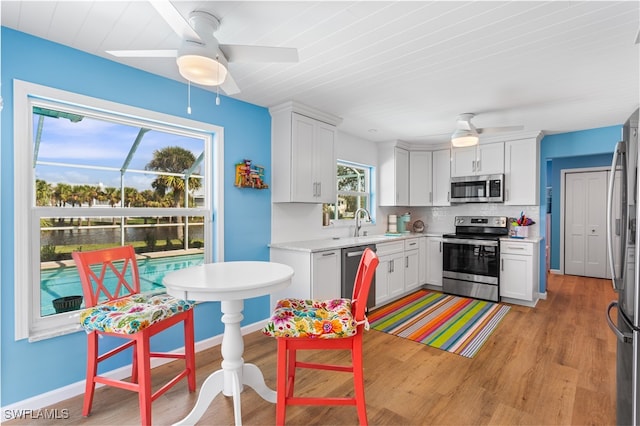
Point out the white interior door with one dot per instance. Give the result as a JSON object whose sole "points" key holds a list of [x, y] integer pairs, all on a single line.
{"points": [[585, 224]]}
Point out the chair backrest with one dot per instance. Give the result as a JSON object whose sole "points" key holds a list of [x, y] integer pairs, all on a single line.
{"points": [[112, 272], [364, 277]]}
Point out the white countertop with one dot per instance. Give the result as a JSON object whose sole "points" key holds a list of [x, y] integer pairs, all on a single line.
{"points": [[331, 243], [531, 240]]}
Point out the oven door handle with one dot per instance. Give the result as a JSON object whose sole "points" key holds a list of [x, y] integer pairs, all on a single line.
{"points": [[470, 242]]}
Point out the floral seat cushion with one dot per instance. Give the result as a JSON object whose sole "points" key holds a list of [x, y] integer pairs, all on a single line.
{"points": [[323, 319], [131, 314]]}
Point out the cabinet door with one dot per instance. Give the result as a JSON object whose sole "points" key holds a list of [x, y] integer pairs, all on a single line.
{"points": [[521, 171], [383, 275], [422, 260], [396, 277], [325, 272], [303, 182], [441, 177], [490, 159], [516, 274], [420, 178], [325, 163], [434, 261], [402, 177], [463, 161], [411, 269]]}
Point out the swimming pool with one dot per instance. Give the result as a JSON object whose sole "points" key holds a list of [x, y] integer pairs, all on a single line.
{"points": [[65, 281]]}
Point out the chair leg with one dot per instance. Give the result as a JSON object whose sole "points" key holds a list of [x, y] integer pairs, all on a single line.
{"points": [[358, 381], [144, 378], [92, 369], [291, 371], [189, 351], [281, 381], [134, 364]]}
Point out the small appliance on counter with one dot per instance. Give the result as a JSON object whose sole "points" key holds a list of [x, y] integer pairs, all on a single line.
{"points": [[418, 226], [403, 221]]}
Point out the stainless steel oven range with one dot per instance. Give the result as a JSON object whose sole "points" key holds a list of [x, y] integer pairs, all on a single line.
{"points": [[471, 257]]}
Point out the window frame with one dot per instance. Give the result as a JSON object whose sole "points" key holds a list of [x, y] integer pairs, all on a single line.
{"points": [[28, 322], [369, 193]]}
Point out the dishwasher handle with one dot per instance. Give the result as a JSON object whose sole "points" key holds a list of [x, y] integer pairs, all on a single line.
{"points": [[355, 253]]}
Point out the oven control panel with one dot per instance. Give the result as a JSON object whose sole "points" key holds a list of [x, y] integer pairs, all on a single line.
{"points": [[488, 221]]}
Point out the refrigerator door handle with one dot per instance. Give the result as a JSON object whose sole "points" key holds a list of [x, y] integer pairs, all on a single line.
{"points": [[623, 337], [614, 162]]}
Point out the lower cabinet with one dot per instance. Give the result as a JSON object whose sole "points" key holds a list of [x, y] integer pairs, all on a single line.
{"points": [[316, 275], [518, 271], [390, 271], [433, 261], [412, 264]]}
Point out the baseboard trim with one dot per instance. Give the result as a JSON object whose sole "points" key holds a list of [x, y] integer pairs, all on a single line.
{"points": [[556, 271], [55, 396]]}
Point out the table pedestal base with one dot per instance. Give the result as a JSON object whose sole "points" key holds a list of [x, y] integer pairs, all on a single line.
{"points": [[234, 374]]}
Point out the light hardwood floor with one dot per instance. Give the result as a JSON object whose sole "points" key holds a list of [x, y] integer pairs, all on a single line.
{"points": [[551, 365]]}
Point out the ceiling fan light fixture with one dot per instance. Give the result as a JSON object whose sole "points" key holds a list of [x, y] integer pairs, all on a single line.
{"points": [[462, 138], [202, 69]]}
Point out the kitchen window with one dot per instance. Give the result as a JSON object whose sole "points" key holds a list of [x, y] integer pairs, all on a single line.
{"points": [[91, 174], [353, 191]]}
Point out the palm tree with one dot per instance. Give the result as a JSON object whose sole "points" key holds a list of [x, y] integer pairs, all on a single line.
{"points": [[173, 159], [44, 193]]}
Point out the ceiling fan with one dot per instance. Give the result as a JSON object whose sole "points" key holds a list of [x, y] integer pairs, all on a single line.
{"points": [[466, 134], [200, 58]]}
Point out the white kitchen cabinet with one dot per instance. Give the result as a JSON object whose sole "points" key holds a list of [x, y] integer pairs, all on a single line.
{"points": [[422, 265], [326, 275], [390, 271], [303, 155], [434, 261], [420, 178], [394, 175], [481, 159], [521, 172], [411, 264], [441, 177], [316, 275], [518, 271]]}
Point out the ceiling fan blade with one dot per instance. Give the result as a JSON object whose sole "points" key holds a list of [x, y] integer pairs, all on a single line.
{"points": [[168, 53], [170, 14], [486, 130], [229, 86], [243, 53]]}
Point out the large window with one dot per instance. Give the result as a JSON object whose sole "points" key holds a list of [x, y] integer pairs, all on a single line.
{"points": [[354, 191], [101, 177]]}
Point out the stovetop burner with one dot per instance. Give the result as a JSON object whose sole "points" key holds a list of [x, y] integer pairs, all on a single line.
{"points": [[480, 227]]}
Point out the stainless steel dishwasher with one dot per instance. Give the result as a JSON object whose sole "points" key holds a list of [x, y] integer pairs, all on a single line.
{"points": [[350, 260]]}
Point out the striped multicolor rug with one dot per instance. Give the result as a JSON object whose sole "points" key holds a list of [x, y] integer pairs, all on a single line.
{"points": [[451, 323]]}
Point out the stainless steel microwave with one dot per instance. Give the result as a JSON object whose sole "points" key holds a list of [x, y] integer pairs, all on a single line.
{"points": [[477, 189]]}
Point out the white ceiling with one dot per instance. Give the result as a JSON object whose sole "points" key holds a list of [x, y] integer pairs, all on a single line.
{"points": [[393, 70]]}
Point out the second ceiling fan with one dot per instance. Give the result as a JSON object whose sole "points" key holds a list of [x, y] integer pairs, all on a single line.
{"points": [[201, 58], [466, 134]]}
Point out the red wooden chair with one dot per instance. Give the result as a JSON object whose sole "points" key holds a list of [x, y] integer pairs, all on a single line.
{"points": [[115, 307], [322, 324]]}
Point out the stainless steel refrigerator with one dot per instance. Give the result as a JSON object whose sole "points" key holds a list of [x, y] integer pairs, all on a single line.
{"points": [[621, 227]]}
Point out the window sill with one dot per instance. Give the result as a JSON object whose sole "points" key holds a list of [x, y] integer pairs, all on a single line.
{"points": [[59, 331]]}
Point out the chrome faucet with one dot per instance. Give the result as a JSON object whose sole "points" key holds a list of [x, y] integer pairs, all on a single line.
{"points": [[356, 232]]}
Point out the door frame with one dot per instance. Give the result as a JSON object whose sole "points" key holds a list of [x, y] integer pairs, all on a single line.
{"points": [[563, 174]]}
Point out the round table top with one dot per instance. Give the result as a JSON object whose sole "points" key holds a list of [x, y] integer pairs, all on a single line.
{"points": [[228, 280]]}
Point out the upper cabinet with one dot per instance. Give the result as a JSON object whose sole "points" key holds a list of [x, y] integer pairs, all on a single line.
{"points": [[303, 158], [521, 171], [420, 178], [394, 175], [481, 159], [441, 177]]}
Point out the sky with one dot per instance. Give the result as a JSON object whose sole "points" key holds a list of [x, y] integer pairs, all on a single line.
{"points": [[96, 142]]}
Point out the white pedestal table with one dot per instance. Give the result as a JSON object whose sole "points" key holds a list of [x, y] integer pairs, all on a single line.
{"points": [[229, 283]]}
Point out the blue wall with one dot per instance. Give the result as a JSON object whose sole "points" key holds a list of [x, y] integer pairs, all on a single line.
{"points": [[586, 148], [29, 369]]}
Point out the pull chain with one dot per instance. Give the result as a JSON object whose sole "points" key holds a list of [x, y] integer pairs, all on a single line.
{"points": [[189, 98], [218, 86]]}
